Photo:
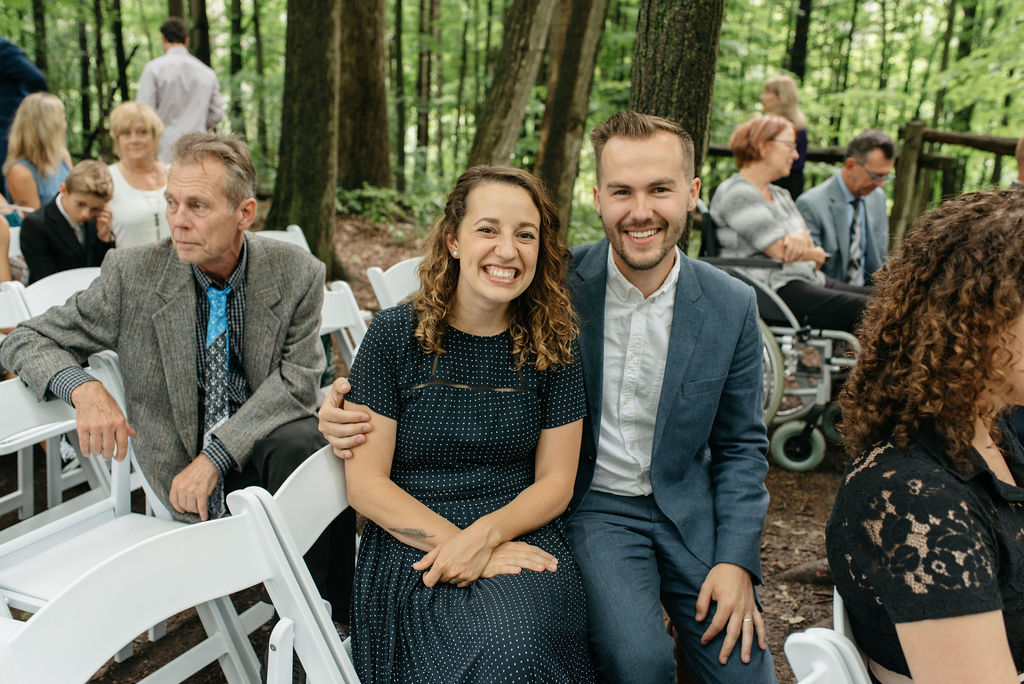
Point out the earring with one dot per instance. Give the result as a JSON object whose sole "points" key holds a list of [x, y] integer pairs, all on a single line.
{"points": [[455, 253]]}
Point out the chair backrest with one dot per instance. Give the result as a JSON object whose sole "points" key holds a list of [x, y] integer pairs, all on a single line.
{"points": [[341, 318], [27, 420], [14, 249], [396, 283], [56, 289], [13, 309], [825, 656], [292, 234]]}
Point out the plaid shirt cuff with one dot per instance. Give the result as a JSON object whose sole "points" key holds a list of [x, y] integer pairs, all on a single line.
{"points": [[218, 453], [64, 382]]}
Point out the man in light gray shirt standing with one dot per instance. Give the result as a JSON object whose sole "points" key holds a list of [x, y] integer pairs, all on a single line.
{"points": [[183, 91]]}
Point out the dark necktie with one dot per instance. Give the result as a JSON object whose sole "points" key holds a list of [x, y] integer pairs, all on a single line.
{"points": [[215, 380], [853, 266]]}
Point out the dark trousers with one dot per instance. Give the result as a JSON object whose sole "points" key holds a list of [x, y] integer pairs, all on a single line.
{"points": [[331, 559], [836, 306]]}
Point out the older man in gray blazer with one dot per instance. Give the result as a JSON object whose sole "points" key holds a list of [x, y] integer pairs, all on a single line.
{"points": [[846, 214], [217, 331]]}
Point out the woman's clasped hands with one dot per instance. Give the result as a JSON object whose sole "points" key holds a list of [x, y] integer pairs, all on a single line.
{"points": [[468, 555]]}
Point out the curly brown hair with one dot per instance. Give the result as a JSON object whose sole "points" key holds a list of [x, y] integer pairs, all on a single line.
{"points": [[542, 321], [933, 339]]}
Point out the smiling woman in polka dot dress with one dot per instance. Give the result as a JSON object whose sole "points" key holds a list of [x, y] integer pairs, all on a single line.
{"points": [[476, 398]]}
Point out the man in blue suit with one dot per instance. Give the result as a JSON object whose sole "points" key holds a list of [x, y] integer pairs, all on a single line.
{"points": [[846, 214], [669, 503]]}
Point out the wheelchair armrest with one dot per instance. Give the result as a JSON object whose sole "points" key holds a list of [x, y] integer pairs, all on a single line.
{"points": [[737, 262]]}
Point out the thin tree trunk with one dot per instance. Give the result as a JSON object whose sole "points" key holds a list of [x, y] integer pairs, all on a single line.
{"points": [[460, 92], [39, 27], [565, 113], [363, 149], [261, 107], [176, 8], [940, 96], [526, 28], [145, 29], [796, 59], [965, 42], [104, 97], [883, 66], [437, 63], [305, 190], [235, 69], [83, 81], [200, 35], [556, 48], [398, 80], [423, 73], [119, 56], [845, 68]]}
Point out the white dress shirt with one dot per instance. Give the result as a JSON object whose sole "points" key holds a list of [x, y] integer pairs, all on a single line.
{"points": [[636, 335], [77, 227]]}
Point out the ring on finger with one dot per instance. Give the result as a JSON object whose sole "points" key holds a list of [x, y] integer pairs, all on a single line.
{"points": [[748, 619]]}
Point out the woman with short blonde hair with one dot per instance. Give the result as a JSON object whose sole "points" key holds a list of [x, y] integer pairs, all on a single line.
{"points": [[139, 208]]}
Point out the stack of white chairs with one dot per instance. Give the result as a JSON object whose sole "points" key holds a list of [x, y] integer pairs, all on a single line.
{"points": [[160, 576], [393, 285], [342, 319], [827, 656]]}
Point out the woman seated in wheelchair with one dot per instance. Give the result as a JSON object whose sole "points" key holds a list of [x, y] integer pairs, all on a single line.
{"points": [[926, 538], [476, 396], [756, 218]]}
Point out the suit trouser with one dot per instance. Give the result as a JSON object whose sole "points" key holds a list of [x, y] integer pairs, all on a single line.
{"points": [[836, 306], [634, 561], [331, 559]]}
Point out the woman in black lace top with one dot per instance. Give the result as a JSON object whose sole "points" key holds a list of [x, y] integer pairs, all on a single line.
{"points": [[926, 538]]}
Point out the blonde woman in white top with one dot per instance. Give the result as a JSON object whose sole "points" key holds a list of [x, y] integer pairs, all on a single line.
{"points": [[139, 177]]}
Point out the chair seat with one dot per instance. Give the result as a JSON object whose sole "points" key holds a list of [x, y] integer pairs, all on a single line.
{"points": [[8, 629], [42, 576]]}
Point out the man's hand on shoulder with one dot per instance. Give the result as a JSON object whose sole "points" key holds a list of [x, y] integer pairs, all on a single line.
{"points": [[191, 488], [732, 590], [342, 429], [102, 426]]}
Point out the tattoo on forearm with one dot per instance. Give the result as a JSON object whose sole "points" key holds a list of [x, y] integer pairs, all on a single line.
{"points": [[410, 532]]}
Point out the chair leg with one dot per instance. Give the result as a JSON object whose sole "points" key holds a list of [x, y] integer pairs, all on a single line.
{"points": [[28, 502], [239, 661], [279, 660]]}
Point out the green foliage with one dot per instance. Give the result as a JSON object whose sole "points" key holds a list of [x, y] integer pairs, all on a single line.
{"points": [[389, 206]]}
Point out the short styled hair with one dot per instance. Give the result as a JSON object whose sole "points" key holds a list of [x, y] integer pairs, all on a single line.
{"points": [[229, 150], [871, 139], [637, 126], [749, 136], [127, 113], [174, 30], [90, 177]]}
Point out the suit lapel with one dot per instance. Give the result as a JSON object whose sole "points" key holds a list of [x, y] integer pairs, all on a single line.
{"points": [[262, 291], [837, 205], [175, 324], [589, 285], [63, 232], [688, 317]]}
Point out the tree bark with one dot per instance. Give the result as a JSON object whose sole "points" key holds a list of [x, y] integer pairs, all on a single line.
{"points": [[104, 96], [437, 63], [261, 107], [674, 62], [565, 112], [526, 29], [235, 69], [305, 190], [199, 41], [398, 80], [940, 96], [460, 93], [83, 82], [965, 43], [119, 55], [39, 27], [176, 8], [796, 60], [423, 73], [363, 148]]}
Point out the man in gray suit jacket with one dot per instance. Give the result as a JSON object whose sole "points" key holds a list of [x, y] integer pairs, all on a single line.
{"points": [[670, 501], [210, 417], [846, 214]]}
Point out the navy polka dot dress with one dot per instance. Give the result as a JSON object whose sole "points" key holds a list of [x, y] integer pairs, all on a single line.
{"points": [[464, 450]]}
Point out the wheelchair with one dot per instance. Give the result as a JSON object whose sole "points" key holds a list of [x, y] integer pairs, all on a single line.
{"points": [[803, 366]]}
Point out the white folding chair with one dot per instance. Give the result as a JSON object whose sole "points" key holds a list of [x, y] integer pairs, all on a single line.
{"points": [[396, 283], [53, 290], [301, 509], [12, 305], [342, 319], [14, 249], [827, 655], [40, 563], [150, 581], [292, 234]]}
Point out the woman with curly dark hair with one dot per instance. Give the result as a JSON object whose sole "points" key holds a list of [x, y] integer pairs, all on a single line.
{"points": [[926, 538], [476, 399]]}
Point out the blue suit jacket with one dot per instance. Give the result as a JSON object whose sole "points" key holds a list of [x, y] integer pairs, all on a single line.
{"points": [[824, 210], [709, 457]]}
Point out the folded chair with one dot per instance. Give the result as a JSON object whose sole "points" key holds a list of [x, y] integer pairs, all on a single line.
{"points": [[301, 509], [148, 581], [342, 319], [396, 283]]}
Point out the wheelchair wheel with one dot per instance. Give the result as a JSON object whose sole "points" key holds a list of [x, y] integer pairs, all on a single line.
{"points": [[772, 357], [794, 451], [829, 420]]}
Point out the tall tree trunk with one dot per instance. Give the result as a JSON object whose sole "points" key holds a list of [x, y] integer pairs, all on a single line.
{"points": [[199, 41], [176, 8], [940, 96], [883, 66], [398, 81], [305, 188], [844, 71], [364, 153], [261, 106], [796, 55], [39, 27], [423, 73], [557, 36], [235, 69], [965, 42], [526, 28], [119, 56], [565, 113], [437, 62], [104, 95], [460, 92], [674, 62], [83, 81]]}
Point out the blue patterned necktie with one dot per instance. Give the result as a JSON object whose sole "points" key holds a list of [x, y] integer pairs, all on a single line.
{"points": [[215, 380]]}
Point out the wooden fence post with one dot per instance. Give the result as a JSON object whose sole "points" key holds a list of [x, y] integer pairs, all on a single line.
{"points": [[904, 205]]}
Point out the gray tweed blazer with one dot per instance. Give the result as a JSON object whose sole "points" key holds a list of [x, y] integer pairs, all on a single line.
{"points": [[143, 307]]}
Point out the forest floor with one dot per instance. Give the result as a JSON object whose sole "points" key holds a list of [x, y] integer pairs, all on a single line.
{"points": [[793, 535]]}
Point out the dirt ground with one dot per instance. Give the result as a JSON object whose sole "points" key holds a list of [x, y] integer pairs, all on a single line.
{"points": [[794, 529]]}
